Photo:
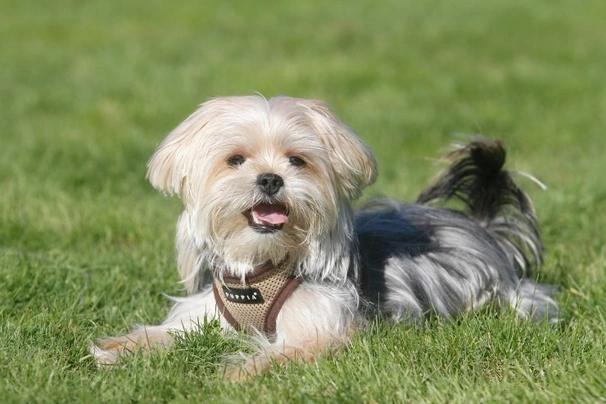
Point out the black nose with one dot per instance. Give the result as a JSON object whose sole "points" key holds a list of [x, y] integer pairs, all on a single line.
{"points": [[270, 183]]}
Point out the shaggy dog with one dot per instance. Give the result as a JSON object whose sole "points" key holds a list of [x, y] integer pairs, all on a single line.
{"points": [[268, 241]]}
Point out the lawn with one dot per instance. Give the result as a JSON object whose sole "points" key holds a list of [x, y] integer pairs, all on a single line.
{"points": [[89, 88]]}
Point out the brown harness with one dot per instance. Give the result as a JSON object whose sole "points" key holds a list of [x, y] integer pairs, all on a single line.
{"points": [[256, 302]]}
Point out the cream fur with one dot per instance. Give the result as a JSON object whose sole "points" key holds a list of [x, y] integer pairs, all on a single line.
{"points": [[213, 233]]}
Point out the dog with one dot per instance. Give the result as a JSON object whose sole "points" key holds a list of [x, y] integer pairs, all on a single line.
{"points": [[268, 242]]}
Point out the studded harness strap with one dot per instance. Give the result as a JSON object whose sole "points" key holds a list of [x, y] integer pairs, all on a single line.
{"points": [[257, 302]]}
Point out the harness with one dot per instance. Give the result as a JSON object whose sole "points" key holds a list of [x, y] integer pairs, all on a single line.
{"points": [[256, 302]]}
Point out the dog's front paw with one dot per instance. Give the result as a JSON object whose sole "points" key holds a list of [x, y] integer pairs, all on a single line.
{"points": [[109, 351], [104, 357]]}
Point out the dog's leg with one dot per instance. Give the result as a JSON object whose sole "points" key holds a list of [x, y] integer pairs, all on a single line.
{"points": [[315, 320], [187, 314]]}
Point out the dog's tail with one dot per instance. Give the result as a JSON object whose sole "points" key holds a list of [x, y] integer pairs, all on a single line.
{"points": [[489, 195]]}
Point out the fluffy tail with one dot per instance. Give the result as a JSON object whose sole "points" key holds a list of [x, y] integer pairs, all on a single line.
{"points": [[489, 195]]}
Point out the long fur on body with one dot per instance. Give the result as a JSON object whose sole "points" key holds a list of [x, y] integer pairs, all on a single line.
{"points": [[406, 261], [422, 259]]}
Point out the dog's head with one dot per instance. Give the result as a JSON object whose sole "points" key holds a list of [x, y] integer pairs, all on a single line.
{"points": [[259, 179]]}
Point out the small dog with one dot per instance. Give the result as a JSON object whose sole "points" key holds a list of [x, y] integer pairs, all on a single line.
{"points": [[268, 242]]}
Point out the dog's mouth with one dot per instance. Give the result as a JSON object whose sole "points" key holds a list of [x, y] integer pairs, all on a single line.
{"points": [[267, 217]]}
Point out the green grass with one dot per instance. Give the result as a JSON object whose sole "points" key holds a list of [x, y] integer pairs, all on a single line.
{"points": [[88, 88]]}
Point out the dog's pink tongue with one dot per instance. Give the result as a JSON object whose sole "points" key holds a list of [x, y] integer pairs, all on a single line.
{"points": [[271, 214]]}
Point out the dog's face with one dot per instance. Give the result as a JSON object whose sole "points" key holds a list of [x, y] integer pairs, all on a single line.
{"points": [[260, 178]]}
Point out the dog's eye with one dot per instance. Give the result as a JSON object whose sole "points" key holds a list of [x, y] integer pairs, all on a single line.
{"points": [[296, 161], [236, 161]]}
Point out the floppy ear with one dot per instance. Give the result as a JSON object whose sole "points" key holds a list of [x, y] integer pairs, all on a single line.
{"points": [[352, 160], [167, 169]]}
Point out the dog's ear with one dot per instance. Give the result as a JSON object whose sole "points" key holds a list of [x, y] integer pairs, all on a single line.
{"points": [[168, 168], [352, 160]]}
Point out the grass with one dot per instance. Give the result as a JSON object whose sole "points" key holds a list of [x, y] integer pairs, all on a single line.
{"points": [[87, 89]]}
